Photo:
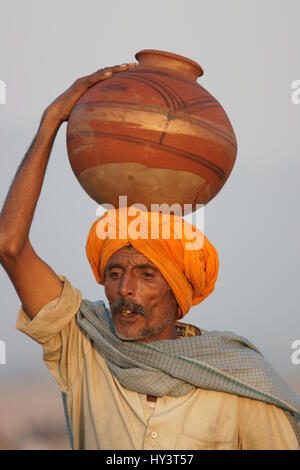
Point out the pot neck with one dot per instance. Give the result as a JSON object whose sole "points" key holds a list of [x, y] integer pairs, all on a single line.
{"points": [[169, 62]]}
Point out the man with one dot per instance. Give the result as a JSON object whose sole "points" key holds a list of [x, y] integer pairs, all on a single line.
{"points": [[136, 377]]}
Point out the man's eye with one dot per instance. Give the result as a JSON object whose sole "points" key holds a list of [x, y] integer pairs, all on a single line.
{"points": [[148, 275], [114, 274]]}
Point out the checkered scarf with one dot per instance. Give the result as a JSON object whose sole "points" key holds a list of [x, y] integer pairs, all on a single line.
{"points": [[216, 360]]}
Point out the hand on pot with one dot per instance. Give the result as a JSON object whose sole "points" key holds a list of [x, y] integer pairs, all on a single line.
{"points": [[60, 109]]}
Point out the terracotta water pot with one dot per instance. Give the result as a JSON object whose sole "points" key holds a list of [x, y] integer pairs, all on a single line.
{"points": [[153, 134]]}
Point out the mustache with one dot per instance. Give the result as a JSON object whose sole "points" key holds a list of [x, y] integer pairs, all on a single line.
{"points": [[127, 304]]}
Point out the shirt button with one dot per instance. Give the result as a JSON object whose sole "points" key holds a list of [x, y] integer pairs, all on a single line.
{"points": [[154, 434]]}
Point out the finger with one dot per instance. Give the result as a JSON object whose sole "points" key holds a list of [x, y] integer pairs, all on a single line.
{"points": [[116, 68], [105, 73], [130, 65]]}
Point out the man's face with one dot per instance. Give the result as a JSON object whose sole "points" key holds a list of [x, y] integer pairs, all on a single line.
{"points": [[135, 285]]}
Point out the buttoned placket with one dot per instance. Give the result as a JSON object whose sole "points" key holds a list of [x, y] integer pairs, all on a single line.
{"points": [[151, 435]]}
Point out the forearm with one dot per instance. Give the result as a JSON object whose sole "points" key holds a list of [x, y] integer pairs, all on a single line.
{"points": [[17, 213], [18, 210]]}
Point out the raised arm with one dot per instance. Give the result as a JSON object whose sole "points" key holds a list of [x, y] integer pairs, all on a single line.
{"points": [[35, 282]]}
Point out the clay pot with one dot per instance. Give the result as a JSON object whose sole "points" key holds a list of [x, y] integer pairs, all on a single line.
{"points": [[153, 134]]}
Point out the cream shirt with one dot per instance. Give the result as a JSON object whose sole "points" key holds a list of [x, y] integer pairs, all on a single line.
{"points": [[105, 415]]}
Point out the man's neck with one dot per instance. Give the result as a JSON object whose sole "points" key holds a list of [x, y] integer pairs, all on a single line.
{"points": [[151, 398]]}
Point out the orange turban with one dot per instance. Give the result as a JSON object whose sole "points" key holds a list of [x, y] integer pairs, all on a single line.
{"points": [[181, 252]]}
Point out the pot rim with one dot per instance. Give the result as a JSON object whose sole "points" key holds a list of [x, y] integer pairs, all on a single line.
{"points": [[171, 55]]}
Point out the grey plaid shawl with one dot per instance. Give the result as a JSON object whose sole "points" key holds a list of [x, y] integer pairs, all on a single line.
{"points": [[215, 360]]}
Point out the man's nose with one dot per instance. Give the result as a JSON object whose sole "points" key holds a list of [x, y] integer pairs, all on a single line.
{"points": [[127, 284]]}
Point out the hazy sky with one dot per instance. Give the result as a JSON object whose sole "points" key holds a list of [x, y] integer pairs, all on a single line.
{"points": [[249, 51]]}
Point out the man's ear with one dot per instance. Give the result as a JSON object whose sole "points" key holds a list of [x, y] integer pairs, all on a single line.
{"points": [[175, 305], [176, 314]]}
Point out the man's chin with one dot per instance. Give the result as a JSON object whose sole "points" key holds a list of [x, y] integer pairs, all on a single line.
{"points": [[127, 330], [129, 337]]}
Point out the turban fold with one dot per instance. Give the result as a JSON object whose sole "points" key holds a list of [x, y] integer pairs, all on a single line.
{"points": [[182, 253]]}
